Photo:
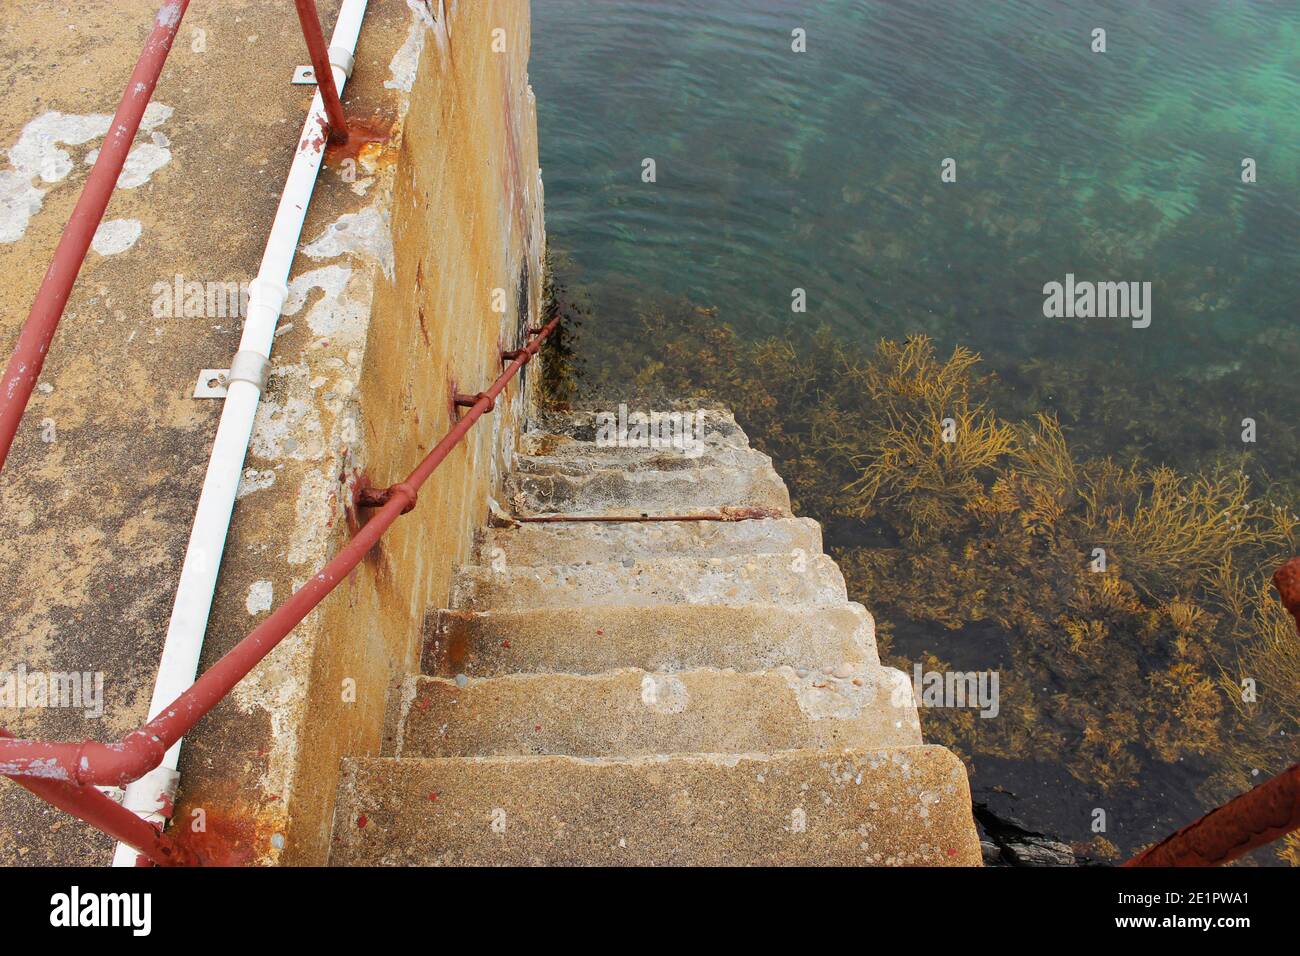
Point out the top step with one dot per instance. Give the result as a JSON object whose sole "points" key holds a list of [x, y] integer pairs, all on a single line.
{"points": [[581, 458], [632, 432], [808, 580], [600, 542]]}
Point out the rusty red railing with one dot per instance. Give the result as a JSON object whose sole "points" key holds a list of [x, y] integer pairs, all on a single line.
{"points": [[320, 65], [91, 763], [34, 340], [67, 774], [1245, 823], [1256, 817], [33, 345]]}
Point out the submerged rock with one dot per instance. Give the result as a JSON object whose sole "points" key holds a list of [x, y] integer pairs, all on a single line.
{"points": [[1006, 841]]}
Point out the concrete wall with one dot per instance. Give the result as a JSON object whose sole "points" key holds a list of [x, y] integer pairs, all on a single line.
{"points": [[391, 305]]}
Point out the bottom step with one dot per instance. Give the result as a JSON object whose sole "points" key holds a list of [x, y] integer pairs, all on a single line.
{"points": [[907, 806]]}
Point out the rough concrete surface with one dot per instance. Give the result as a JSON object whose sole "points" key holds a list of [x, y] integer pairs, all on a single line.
{"points": [[589, 640], [765, 578], [576, 432], [682, 706], [603, 542], [904, 807], [638, 459], [634, 712], [616, 491]]}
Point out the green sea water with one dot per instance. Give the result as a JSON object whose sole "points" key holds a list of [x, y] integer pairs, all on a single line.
{"points": [[821, 171]]}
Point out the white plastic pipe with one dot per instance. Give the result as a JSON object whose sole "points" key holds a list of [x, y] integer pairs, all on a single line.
{"points": [[152, 796]]}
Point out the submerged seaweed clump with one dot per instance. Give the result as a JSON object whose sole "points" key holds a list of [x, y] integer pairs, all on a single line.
{"points": [[1139, 627]]}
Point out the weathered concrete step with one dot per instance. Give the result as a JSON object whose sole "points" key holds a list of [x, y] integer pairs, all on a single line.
{"points": [[909, 806], [667, 638], [759, 579], [602, 430], [581, 460], [618, 491], [614, 541], [560, 448], [661, 403], [633, 712]]}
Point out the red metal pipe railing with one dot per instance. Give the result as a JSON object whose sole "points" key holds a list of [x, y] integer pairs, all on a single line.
{"points": [[28, 357], [66, 774], [78, 766], [320, 64], [1254, 819], [34, 340], [106, 814]]}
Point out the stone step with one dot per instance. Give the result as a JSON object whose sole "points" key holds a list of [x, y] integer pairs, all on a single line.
{"points": [[615, 541], [633, 712], [590, 640], [907, 806], [755, 579], [578, 460], [553, 432], [618, 491], [660, 403], [564, 451]]}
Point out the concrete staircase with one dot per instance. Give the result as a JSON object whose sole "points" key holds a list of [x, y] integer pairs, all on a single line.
{"points": [[685, 692]]}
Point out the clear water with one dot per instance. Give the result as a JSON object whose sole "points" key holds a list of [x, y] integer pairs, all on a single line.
{"points": [[821, 171]]}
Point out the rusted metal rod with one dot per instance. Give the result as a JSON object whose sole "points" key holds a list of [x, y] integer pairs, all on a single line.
{"points": [[117, 764], [1255, 818], [33, 345], [106, 814], [320, 64]]}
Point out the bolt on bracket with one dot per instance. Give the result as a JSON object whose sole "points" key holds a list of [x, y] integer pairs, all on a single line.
{"points": [[212, 383], [247, 366]]}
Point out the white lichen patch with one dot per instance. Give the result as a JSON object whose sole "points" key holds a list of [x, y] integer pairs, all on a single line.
{"points": [[116, 235], [664, 693], [924, 801], [254, 480], [288, 425], [313, 513], [366, 234], [260, 594], [335, 316], [406, 61], [141, 163], [409, 690], [38, 155], [277, 688], [332, 280]]}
